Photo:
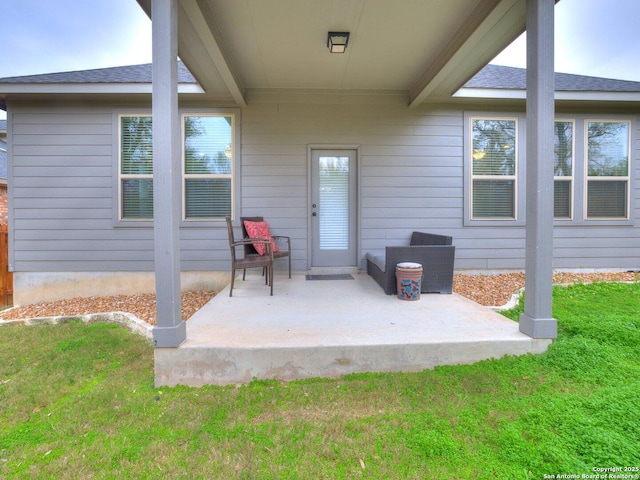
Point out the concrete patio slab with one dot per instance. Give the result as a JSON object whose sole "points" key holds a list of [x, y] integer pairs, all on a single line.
{"points": [[329, 328]]}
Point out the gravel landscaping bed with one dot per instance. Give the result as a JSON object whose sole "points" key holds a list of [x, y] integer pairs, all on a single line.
{"points": [[497, 290], [488, 290], [142, 306]]}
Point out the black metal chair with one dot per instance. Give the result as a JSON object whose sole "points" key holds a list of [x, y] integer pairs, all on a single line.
{"points": [[250, 261], [280, 240]]}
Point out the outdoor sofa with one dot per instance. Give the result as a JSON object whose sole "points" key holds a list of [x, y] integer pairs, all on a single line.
{"points": [[434, 252]]}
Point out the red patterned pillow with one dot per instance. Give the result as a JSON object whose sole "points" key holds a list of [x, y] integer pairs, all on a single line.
{"points": [[260, 230]]}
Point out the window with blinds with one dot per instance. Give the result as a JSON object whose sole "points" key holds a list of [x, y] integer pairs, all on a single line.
{"points": [[563, 170], [207, 167], [493, 168], [591, 162], [136, 168], [607, 169]]}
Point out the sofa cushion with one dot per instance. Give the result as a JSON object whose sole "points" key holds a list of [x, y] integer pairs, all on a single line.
{"points": [[377, 260], [421, 238]]}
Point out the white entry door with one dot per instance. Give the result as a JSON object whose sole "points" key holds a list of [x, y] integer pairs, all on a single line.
{"points": [[334, 208]]}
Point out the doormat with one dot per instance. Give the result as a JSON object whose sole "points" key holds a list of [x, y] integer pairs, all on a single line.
{"points": [[338, 276]]}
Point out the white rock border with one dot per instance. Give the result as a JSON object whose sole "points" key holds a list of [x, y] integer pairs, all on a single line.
{"points": [[133, 323], [512, 303]]}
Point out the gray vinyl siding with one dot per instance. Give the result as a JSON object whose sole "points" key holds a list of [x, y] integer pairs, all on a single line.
{"points": [[62, 208], [61, 190], [404, 161], [411, 177]]}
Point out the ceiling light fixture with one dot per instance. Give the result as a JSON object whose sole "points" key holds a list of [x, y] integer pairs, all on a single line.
{"points": [[337, 41]]}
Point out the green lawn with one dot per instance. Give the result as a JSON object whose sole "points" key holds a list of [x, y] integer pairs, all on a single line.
{"points": [[78, 402]]}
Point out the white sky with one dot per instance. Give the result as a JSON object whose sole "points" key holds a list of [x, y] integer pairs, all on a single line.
{"points": [[43, 36], [593, 37]]}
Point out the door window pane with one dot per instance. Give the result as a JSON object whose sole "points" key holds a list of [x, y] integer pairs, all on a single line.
{"points": [[334, 203]]}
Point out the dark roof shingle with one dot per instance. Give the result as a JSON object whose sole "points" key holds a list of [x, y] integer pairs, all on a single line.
{"points": [[511, 78], [127, 74], [490, 77]]}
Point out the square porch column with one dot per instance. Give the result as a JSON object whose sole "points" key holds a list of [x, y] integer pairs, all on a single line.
{"points": [[171, 329], [537, 321]]}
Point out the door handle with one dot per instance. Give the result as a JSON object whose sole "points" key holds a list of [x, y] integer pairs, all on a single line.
{"points": [[315, 214]]}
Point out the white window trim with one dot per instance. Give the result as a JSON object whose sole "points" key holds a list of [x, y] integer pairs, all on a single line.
{"points": [[579, 171], [587, 177], [117, 114]]}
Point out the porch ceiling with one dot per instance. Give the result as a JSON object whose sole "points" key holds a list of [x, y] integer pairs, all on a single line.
{"points": [[426, 48]]}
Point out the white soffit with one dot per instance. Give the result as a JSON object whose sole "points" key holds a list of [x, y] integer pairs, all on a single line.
{"points": [[419, 47]]}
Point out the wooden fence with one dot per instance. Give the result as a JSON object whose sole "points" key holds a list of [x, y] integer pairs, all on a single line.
{"points": [[6, 277]]}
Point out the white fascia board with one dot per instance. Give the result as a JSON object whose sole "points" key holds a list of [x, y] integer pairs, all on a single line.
{"points": [[508, 94], [490, 93], [89, 88], [599, 96]]}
